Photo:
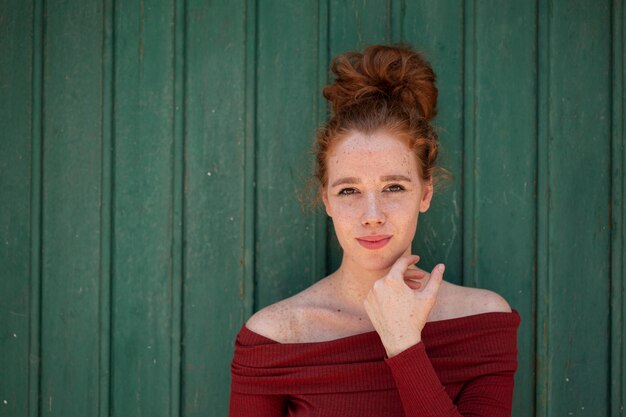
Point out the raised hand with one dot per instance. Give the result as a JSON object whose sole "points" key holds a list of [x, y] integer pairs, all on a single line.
{"points": [[399, 309]]}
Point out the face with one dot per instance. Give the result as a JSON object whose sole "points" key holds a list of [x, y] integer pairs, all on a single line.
{"points": [[374, 195]]}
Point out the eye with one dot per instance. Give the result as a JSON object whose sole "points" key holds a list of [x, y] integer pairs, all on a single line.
{"points": [[394, 188], [347, 191]]}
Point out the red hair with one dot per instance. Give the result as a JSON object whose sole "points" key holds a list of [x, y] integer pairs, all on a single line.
{"points": [[383, 88]]}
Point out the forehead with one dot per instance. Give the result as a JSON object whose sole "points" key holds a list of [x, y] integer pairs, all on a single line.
{"points": [[376, 154]]}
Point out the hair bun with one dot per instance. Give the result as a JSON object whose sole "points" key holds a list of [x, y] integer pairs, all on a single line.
{"points": [[396, 74]]}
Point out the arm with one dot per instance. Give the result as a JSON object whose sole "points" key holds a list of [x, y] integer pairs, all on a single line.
{"points": [[422, 394], [250, 405], [399, 314]]}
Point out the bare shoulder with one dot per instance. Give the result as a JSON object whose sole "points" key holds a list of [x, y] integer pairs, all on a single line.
{"points": [[313, 315], [458, 301], [279, 321]]}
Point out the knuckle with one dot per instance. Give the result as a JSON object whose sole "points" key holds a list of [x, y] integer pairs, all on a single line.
{"points": [[386, 280]]}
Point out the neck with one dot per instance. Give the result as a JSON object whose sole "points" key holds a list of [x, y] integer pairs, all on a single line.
{"points": [[353, 283]]}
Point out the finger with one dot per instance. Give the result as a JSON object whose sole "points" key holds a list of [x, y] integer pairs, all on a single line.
{"points": [[415, 268], [436, 278], [414, 274], [400, 266], [412, 278], [412, 284]]}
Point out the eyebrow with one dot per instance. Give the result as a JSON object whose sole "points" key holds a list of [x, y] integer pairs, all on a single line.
{"points": [[395, 178], [347, 180], [384, 178]]}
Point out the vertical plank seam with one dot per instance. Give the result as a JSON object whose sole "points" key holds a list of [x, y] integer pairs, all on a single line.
{"points": [[469, 142], [106, 210], [249, 292], [542, 349], [112, 204], [178, 221], [320, 260], [621, 99], [36, 214], [462, 191], [534, 293], [622, 124], [616, 214], [328, 227]]}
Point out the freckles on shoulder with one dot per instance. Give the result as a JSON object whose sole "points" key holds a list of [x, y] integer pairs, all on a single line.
{"points": [[276, 322], [491, 302], [467, 301]]}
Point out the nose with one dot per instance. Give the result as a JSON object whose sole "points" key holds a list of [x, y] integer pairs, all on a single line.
{"points": [[373, 214]]}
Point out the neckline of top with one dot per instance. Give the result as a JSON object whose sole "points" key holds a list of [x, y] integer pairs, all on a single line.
{"points": [[429, 325]]}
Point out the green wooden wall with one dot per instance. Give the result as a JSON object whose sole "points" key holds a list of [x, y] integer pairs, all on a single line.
{"points": [[152, 154]]}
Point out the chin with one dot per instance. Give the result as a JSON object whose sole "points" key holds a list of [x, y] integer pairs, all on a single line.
{"points": [[376, 262]]}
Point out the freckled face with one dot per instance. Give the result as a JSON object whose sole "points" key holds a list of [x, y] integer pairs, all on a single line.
{"points": [[374, 195]]}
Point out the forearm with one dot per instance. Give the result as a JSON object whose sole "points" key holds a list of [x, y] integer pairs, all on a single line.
{"points": [[423, 395], [245, 405]]}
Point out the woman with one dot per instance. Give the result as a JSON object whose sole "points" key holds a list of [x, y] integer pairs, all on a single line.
{"points": [[378, 337]]}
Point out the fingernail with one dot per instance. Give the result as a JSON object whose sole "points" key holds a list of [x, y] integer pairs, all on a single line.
{"points": [[442, 268]]}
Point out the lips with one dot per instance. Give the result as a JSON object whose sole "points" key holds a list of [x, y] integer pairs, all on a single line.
{"points": [[373, 242]]}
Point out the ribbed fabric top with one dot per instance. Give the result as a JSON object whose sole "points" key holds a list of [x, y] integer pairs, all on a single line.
{"points": [[473, 355]]}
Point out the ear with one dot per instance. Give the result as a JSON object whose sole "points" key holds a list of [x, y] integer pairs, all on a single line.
{"points": [[326, 203], [427, 196]]}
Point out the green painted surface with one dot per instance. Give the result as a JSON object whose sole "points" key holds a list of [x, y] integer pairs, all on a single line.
{"points": [[217, 292], [286, 74], [504, 169], [15, 207], [142, 273], [71, 203], [579, 149], [153, 153], [618, 75]]}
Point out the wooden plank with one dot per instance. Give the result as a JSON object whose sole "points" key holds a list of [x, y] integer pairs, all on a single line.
{"points": [[504, 182], [617, 211], [16, 109], [287, 84], [106, 210], [579, 158], [440, 231], [72, 174], [143, 276], [36, 178], [178, 203], [542, 358], [469, 141], [352, 26], [218, 204]]}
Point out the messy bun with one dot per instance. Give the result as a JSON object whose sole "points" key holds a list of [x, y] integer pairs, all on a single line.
{"points": [[395, 74], [383, 88]]}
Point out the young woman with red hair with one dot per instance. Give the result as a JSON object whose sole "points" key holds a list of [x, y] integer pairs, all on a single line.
{"points": [[378, 337]]}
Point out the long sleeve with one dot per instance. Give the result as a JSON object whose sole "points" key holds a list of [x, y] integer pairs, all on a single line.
{"points": [[423, 395], [246, 405]]}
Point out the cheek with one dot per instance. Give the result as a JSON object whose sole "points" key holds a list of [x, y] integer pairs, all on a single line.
{"points": [[344, 214], [403, 210], [404, 219]]}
